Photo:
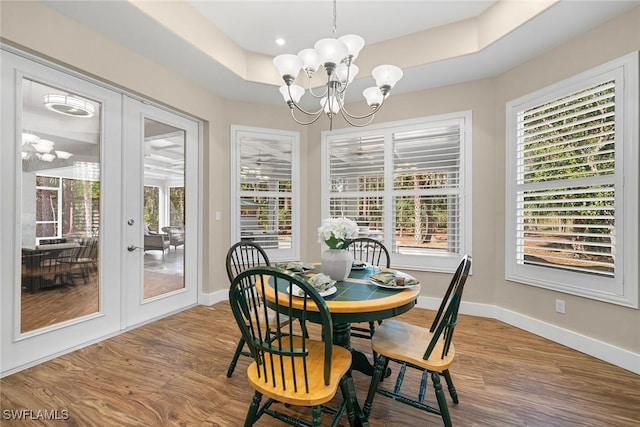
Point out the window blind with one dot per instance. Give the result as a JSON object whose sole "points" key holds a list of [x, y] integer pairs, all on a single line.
{"points": [[266, 192], [426, 175], [566, 182], [407, 179]]}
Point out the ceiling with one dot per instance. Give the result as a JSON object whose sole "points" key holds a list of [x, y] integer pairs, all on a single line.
{"points": [[200, 39]]}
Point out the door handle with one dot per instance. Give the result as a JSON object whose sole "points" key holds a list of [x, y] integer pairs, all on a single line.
{"points": [[132, 248]]}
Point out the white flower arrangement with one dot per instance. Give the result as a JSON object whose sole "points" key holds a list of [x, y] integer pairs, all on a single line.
{"points": [[336, 232]]}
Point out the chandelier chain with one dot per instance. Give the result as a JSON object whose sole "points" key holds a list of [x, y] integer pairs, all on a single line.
{"points": [[335, 19]]}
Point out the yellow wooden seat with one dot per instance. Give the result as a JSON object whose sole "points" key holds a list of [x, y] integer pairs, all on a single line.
{"points": [[293, 371]]}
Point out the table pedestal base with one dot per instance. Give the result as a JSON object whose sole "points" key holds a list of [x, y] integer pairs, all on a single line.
{"points": [[359, 362]]}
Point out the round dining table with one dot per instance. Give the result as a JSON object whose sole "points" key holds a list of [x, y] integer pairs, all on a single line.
{"points": [[358, 299]]}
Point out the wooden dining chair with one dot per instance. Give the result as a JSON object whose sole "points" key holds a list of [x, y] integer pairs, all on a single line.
{"points": [[47, 268], [86, 262], [400, 342], [240, 257], [289, 367], [375, 253]]}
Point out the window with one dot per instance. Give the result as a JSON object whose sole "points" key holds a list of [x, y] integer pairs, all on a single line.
{"points": [[265, 190], [176, 206], [48, 208], [572, 192], [406, 184], [66, 207], [152, 207]]}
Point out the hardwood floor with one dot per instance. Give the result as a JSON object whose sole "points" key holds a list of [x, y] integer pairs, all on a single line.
{"points": [[79, 298], [58, 304], [172, 373]]}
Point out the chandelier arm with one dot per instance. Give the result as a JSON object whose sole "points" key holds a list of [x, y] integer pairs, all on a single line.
{"points": [[303, 111], [315, 119], [323, 94], [358, 125], [292, 104], [364, 116]]}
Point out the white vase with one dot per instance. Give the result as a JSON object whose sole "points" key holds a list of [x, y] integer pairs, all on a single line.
{"points": [[336, 263]]}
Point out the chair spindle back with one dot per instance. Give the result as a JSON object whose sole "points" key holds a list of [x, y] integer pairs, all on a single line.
{"points": [[244, 255], [447, 316], [276, 346], [370, 251]]}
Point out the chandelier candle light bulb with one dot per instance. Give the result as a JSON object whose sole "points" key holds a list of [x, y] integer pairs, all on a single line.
{"points": [[336, 56]]}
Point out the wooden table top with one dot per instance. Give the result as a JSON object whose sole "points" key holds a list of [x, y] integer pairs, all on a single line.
{"points": [[51, 247], [359, 297]]}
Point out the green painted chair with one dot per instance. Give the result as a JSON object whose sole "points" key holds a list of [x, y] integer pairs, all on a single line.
{"points": [[375, 253], [240, 257], [290, 368], [400, 342]]}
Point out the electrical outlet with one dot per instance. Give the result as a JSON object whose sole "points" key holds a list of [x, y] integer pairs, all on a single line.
{"points": [[560, 306]]}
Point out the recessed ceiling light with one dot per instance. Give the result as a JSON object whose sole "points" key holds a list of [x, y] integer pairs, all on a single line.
{"points": [[69, 105], [280, 41]]}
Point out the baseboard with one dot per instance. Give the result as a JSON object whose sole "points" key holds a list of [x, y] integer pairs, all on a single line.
{"points": [[214, 297], [611, 354]]}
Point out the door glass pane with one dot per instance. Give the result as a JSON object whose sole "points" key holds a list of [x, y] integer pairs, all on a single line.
{"points": [[163, 205], [60, 216]]}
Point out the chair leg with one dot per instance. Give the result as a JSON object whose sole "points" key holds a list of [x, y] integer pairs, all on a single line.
{"points": [[316, 416], [442, 401], [236, 355], [253, 410], [403, 369], [372, 328], [380, 364], [423, 386], [452, 388]]}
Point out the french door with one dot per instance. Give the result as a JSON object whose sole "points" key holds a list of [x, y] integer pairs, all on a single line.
{"points": [[80, 166], [160, 212]]}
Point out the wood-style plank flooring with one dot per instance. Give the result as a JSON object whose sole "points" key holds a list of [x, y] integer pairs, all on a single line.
{"points": [[80, 297], [172, 373]]}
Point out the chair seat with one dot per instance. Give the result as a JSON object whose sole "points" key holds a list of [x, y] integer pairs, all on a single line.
{"points": [[319, 393], [402, 341]]}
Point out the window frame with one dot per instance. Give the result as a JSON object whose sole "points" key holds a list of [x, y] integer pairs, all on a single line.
{"points": [[622, 289], [433, 261], [238, 132]]}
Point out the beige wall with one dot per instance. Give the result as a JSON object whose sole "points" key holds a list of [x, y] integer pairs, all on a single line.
{"points": [[618, 326], [89, 52], [609, 323]]}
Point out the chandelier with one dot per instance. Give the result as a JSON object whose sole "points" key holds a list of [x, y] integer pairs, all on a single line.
{"points": [[39, 153], [336, 56]]}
